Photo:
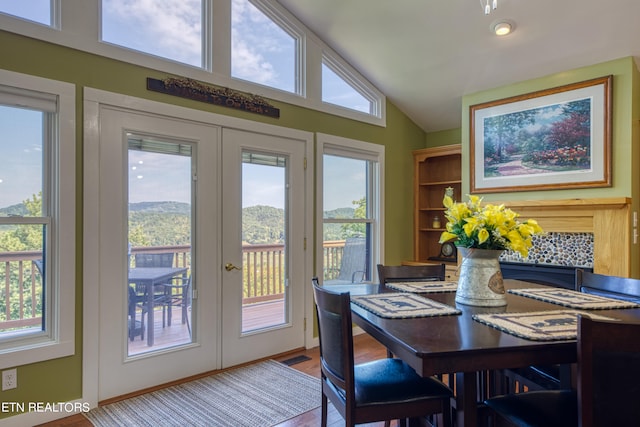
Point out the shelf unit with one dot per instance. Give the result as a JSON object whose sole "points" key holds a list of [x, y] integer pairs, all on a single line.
{"points": [[435, 169]]}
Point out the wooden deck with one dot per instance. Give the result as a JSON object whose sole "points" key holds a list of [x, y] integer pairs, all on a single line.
{"points": [[254, 316]]}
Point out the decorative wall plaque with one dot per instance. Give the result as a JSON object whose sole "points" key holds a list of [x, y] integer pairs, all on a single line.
{"points": [[224, 97]]}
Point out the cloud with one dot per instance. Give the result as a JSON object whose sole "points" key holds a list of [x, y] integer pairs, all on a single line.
{"points": [[168, 28]]}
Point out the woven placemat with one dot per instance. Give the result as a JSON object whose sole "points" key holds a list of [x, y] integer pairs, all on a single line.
{"points": [[574, 299], [538, 325], [424, 287], [402, 306]]}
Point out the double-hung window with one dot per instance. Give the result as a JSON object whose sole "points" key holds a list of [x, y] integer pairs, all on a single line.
{"points": [[350, 200], [37, 219]]}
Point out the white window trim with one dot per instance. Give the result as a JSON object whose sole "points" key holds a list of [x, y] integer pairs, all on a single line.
{"points": [[60, 338], [357, 150], [80, 29]]}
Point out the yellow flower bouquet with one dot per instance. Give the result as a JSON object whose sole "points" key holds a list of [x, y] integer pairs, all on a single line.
{"points": [[487, 227]]}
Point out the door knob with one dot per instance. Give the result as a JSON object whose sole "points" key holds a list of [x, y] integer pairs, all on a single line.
{"points": [[228, 266]]}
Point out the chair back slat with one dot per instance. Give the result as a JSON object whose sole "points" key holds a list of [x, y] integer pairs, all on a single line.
{"points": [[336, 346], [154, 260], [398, 273], [623, 288]]}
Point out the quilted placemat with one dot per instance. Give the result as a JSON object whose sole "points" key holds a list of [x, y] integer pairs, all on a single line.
{"points": [[402, 305], [424, 287], [538, 325], [574, 299]]}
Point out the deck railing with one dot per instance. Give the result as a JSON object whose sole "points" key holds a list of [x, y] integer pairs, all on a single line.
{"points": [[263, 277], [21, 284]]}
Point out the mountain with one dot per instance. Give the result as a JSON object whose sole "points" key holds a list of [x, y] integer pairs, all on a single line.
{"points": [[161, 207], [168, 223], [18, 210]]}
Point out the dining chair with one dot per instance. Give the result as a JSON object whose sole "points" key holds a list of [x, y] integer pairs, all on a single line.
{"points": [[608, 384], [381, 390], [534, 377], [397, 273], [623, 288]]}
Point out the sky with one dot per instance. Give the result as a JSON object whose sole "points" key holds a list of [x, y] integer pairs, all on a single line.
{"points": [[262, 53], [21, 154]]}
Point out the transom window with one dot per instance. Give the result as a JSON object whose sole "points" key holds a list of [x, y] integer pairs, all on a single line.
{"points": [[39, 11], [337, 90], [171, 29], [263, 51], [254, 46]]}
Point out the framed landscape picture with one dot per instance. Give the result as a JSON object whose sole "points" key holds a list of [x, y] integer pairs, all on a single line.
{"points": [[552, 139]]}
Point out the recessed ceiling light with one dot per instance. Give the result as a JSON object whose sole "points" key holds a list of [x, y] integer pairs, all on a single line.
{"points": [[502, 28]]}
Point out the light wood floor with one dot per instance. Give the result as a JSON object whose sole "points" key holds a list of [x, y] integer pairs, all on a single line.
{"points": [[366, 348]]}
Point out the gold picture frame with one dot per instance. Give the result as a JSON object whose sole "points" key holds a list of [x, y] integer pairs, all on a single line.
{"points": [[556, 138]]}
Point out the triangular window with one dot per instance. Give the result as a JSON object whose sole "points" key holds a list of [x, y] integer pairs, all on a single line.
{"points": [[338, 90]]}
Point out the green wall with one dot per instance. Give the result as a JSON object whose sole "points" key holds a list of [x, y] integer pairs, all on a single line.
{"points": [[625, 135], [61, 379], [625, 75], [443, 137]]}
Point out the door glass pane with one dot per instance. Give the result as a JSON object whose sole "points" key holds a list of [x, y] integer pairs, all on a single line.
{"points": [[264, 219], [347, 220], [159, 250]]}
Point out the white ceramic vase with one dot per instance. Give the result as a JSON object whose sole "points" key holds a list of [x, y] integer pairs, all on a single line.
{"points": [[480, 280]]}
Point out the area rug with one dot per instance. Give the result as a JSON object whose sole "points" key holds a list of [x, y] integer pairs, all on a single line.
{"points": [[259, 395], [538, 325], [433, 286], [403, 306], [574, 299]]}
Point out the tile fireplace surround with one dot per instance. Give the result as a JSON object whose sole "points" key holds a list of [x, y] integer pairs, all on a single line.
{"points": [[581, 232], [554, 248]]}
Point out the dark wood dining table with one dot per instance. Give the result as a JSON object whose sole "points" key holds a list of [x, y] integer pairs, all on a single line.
{"points": [[457, 344], [145, 279]]}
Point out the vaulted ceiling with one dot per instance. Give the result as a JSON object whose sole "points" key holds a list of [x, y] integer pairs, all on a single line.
{"points": [[424, 55]]}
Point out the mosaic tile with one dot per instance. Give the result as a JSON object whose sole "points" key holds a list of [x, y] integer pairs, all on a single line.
{"points": [[565, 249]]}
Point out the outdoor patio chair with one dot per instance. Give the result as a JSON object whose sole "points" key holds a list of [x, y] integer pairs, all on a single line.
{"points": [[176, 295], [154, 260], [135, 326], [353, 265], [159, 292], [380, 390]]}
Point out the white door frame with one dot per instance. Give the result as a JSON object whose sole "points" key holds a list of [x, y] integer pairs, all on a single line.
{"points": [[93, 99]]}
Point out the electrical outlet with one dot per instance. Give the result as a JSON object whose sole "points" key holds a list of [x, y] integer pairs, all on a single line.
{"points": [[9, 379]]}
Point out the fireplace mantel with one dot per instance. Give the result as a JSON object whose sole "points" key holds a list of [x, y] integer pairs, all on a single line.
{"points": [[609, 220]]}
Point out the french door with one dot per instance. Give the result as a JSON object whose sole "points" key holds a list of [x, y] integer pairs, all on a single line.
{"points": [[201, 260], [262, 245]]}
